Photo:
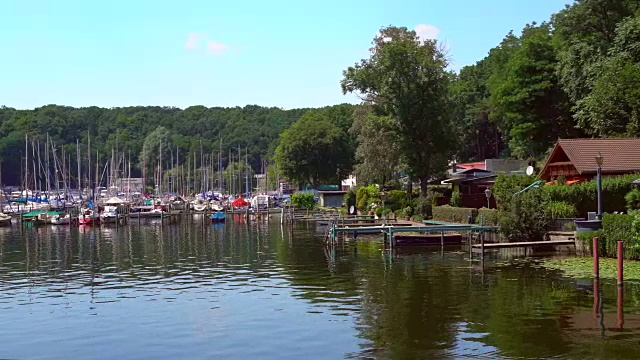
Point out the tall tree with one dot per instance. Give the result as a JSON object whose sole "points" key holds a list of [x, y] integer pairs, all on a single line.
{"points": [[406, 79], [526, 95], [378, 156], [314, 150]]}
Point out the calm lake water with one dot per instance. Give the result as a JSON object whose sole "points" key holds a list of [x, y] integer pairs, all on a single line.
{"points": [[193, 290]]}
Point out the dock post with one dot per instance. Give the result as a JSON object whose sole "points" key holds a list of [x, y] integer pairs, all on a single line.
{"points": [[596, 260], [620, 307], [620, 263], [442, 239], [282, 216], [482, 247], [392, 241]]}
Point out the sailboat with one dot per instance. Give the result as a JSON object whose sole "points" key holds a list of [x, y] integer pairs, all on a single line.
{"points": [[5, 220]]}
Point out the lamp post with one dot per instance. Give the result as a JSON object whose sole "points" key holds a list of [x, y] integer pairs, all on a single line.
{"points": [[488, 194], [383, 196], [599, 161]]}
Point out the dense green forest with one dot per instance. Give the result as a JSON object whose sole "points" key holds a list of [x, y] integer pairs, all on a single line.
{"points": [[190, 131], [575, 75]]}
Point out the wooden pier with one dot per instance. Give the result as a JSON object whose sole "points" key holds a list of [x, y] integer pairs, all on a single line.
{"points": [[479, 248], [427, 233]]}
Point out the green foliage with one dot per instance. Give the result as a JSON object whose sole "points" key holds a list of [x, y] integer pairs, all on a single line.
{"points": [[252, 127], [396, 199], [560, 210], [350, 198], [406, 78], [303, 201], [454, 214], [365, 196], [584, 195], [378, 155], [456, 199], [316, 148], [408, 211], [422, 207], [489, 216], [525, 217], [633, 200]]}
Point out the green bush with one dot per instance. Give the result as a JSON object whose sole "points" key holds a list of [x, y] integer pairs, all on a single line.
{"points": [[365, 196], [584, 195], [560, 210], [408, 211], [456, 199], [633, 200], [396, 199], [489, 216], [303, 201], [350, 198], [422, 206], [454, 214], [525, 217]]}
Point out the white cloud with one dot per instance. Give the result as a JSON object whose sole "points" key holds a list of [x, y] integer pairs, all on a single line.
{"points": [[426, 31], [216, 48], [193, 41], [201, 42]]}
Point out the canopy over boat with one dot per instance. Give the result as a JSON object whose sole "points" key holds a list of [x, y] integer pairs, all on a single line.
{"points": [[239, 202], [114, 201]]}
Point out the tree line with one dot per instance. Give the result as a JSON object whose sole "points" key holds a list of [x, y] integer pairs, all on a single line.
{"points": [[575, 75]]}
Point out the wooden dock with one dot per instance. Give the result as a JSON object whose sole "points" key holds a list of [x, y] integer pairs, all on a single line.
{"points": [[427, 239], [439, 232], [477, 248]]}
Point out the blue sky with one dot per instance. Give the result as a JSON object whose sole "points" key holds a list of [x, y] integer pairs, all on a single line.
{"points": [[223, 53]]}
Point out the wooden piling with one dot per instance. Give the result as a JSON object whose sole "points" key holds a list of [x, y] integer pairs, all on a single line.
{"points": [[596, 259], [620, 263]]}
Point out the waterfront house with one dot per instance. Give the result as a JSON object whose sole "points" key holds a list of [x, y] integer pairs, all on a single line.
{"points": [[575, 159]]}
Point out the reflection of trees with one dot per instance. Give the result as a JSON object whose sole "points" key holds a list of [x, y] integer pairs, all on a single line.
{"points": [[415, 305]]}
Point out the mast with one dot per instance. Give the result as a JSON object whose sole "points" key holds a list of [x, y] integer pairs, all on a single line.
{"points": [[79, 182], [246, 171]]}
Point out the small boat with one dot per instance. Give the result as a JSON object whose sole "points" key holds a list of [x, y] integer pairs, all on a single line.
{"points": [[199, 205], [5, 220], [218, 216], [110, 214], [88, 217], [61, 220]]}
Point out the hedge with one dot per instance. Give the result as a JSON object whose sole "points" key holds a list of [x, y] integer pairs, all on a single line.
{"points": [[615, 227], [454, 214], [489, 216]]}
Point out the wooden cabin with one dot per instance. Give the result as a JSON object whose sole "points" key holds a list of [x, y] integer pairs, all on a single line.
{"points": [[575, 159]]}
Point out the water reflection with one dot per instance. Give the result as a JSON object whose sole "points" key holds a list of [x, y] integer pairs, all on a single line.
{"points": [[193, 289]]}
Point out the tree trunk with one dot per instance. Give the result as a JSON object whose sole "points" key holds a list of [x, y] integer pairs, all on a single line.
{"points": [[424, 179]]}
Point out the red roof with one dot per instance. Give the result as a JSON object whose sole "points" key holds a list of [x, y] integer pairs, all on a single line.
{"points": [[620, 155], [472, 165]]}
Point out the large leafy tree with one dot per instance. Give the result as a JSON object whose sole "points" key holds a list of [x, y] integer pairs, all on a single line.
{"points": [[314, 150], [378, 156], [406, 79], [527, 98]]}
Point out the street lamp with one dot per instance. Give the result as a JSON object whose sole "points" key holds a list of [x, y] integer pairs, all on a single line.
{"points": [[599, 162], [488, 193], [383, 197]]}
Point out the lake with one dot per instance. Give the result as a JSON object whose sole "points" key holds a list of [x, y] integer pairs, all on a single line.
{"points": [[193, 290]]}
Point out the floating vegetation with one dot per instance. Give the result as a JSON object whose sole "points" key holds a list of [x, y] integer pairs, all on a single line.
{"points": [[582, 267]]}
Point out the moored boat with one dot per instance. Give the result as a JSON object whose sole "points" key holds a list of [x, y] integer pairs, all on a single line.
{"points": [[88, 217], [5, 220], [61, 219], [218, 216]]}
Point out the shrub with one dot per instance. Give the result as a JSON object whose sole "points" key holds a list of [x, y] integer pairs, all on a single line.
{"points": [[456, 199], [350, 198], [454, 214], [423, 207], [560, 210], [584, 195], [304, 201], [633, 200], [489, 216], [525, 218], [365, 196], [396, 199], [408, 211]]}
